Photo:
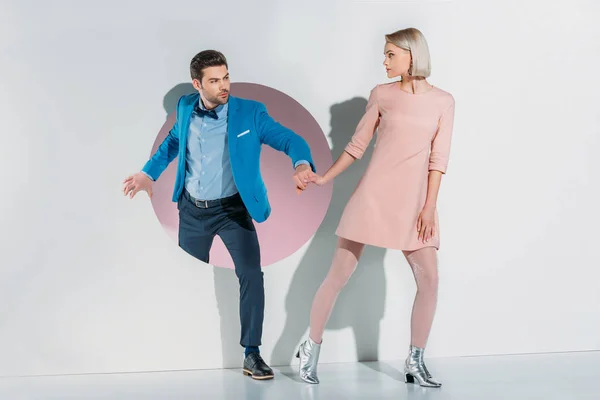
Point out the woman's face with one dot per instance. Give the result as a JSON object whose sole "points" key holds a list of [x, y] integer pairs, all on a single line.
{"points": [[397, 60]]}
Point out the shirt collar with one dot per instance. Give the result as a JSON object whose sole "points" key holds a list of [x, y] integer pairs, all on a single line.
{"points": [[221, 109]]}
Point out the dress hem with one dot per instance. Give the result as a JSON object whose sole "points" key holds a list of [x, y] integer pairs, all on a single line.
{"points": [[386, 247]]}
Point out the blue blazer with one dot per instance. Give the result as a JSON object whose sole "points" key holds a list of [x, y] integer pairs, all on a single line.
{"points": [[249, 126]]}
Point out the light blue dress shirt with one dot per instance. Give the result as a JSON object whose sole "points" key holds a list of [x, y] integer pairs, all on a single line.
{"points": [[208, 174]]}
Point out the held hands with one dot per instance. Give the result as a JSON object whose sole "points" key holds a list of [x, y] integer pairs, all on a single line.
{"points": [[136, 182], [304, 176], [426, 224]]}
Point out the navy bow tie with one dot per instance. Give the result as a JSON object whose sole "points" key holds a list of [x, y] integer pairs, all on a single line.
{"points": [[207, 113]]}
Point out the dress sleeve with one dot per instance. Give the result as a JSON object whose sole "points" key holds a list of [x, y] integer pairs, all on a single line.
{"points": [[440, 146], [365, 128]]}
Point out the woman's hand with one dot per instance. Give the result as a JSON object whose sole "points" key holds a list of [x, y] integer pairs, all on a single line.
{"points": [[426, 224], [314, 178], [318, 180]]}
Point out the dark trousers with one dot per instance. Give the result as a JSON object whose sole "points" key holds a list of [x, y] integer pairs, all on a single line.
{"points": [[231, 221]]}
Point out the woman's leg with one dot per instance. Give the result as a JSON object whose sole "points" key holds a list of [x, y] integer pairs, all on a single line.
{"points": [[344, 263], [423, 263], [345, 259]]}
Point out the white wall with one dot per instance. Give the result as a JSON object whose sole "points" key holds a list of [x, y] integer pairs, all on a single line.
{"points": [[89, 281]]}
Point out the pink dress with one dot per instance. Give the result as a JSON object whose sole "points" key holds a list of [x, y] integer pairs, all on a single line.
{"points": [[413, 137]]}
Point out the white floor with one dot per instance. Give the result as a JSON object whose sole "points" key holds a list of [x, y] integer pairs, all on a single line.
{"points": [[562, 376]]}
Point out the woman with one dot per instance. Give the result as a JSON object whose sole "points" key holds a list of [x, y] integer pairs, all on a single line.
{"points": [[394, 203]]}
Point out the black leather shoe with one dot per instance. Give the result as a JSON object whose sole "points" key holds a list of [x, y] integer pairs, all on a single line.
{"points": [[257, 368]]}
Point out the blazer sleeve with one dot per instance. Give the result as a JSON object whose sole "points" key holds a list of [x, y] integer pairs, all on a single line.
{"points": [[277, 136], [366, 128], [166, 152], [440, 145]]}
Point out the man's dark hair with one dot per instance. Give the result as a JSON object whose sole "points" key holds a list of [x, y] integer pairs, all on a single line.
{"points": [[205, 59]]}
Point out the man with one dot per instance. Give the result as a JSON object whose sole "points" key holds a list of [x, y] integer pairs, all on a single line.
{"points": [[219, 189]]}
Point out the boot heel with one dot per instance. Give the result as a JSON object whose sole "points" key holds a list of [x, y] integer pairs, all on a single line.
{"points": [[408, 378]]}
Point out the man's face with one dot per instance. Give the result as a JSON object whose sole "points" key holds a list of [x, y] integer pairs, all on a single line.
{"points": [[214, 87]]}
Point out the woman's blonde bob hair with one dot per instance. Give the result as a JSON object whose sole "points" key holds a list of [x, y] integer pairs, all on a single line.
{"points": [[412, 39]]}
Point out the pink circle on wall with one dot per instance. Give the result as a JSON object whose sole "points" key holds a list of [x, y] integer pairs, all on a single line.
{"points": [[294, 218]]}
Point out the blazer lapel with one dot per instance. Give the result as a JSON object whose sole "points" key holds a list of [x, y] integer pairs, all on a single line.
{"points": [[232, 125]]}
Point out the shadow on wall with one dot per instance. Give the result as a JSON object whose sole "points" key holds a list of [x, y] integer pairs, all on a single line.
{"points": [[360, 305], [172, 97]]}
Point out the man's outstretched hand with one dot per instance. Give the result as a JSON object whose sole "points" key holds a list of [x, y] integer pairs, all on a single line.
{"points": [[136, 182]]}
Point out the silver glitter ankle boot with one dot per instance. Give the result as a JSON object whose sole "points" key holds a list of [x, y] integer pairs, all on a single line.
{"points": [[415, 369], [308, 353]]}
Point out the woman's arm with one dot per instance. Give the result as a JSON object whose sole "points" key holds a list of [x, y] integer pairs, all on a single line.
{"points": [[438, 163], [426, 221], [359, 142], [341, 164]]}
